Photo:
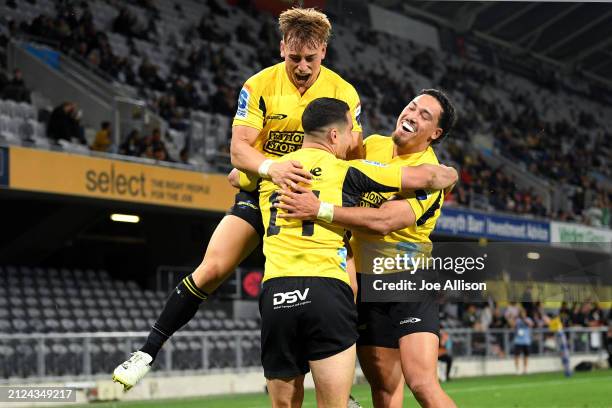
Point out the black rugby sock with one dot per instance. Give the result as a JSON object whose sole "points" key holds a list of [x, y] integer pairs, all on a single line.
{"points": [[181, 306]]}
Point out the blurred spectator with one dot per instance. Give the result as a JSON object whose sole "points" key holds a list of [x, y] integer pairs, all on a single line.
{"points": [[522, 325], [161, 154], [64, 123], [512, 312], [132, 145], [470, 316], [595, 317], [444, 352], [16, 89], [184, 156], [103, 140], [156, 140]]}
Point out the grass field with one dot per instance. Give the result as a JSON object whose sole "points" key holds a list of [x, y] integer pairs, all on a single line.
{"points": [[551, 390]]}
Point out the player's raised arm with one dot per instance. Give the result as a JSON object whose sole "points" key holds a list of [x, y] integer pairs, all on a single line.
{"points": [[428, 176]]}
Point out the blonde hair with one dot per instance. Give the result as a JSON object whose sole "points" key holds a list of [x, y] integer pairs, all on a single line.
{"points": [[304, 26]]}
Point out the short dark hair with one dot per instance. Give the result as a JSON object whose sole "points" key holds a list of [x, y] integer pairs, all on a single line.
{"points": [[321, 113], [448, 116]]}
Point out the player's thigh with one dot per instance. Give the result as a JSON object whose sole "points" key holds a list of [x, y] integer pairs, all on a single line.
{"points": [[419, 357], [333, 378], [382, 368], [232, 241], [286, 392]]}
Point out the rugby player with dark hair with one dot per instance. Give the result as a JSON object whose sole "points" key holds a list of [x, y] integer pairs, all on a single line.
{"points": [[398, 341]]}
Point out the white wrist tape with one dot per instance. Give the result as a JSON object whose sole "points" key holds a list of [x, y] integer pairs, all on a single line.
{"points": [[264, 167], [326, 212]]}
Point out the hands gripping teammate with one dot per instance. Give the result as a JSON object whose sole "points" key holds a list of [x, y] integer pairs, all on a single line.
{"points": [[267, 124]]}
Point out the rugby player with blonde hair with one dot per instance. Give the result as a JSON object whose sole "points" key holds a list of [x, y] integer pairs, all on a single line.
{"points": [[267, 124]]}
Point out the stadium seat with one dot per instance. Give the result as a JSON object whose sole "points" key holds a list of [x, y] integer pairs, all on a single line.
{"points": [[98, 324], [5, 326], [83, 324], [52, 325], [68, 325], [37, 325], [34, 312]]}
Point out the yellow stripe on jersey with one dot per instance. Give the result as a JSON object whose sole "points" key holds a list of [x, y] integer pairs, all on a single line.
{"points": [[270, 103], [426, 205], [296, 248]]}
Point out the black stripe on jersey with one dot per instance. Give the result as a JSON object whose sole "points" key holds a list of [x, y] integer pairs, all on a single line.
{"points": [[355, 183], [262, 107], [430, 211], [420, 194]]}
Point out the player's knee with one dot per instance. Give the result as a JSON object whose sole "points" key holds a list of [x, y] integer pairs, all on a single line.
{"points": [[383, 388], [207, 273], [424, 388]]}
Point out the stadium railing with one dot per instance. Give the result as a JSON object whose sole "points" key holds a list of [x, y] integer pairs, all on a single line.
{"points": [[95, 355], [500, 342], [39, 357]]}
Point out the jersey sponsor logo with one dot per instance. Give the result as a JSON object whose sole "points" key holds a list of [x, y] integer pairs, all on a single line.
{"points": [[281, 143], [358, 114], [277, 116], [289, 298], [410, 320], [243, 103], [372, 199], [374, 163], [317, 171]]}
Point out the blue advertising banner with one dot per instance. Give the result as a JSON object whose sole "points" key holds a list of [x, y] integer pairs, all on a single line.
{"points": [[49, 56], [465, 223], [4, 167]]}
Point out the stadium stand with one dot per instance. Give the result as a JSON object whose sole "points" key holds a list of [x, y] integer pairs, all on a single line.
{"points": [[66, 302], [186, 61]]}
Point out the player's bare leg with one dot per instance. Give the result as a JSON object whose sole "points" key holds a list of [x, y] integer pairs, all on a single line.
{"points": [[233, 240], [333, 377], [383, 370], [286, 392], [419, 357]]}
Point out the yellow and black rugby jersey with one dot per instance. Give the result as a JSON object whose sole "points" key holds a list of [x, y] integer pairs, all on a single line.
{"points": [[426, 205], [315, 248], [270, 103]]}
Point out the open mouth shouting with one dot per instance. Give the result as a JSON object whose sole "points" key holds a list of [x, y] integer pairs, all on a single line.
{"points": [[302, 78]]}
